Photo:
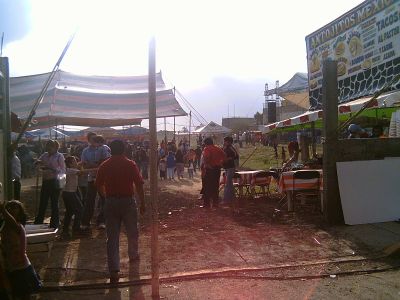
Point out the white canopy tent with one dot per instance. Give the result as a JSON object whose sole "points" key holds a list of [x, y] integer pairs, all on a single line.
{"points": [[81, 100], [212, 128], [46, 134]]}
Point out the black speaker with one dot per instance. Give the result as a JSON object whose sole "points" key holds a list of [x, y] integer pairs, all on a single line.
{"points": [[271, 112]]}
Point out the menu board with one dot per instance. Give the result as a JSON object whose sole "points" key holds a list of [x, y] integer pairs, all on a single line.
{"points": [[365, 42]]}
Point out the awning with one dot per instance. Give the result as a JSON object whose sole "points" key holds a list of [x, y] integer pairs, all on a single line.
{"points": [[80, 100], [389, 102]]}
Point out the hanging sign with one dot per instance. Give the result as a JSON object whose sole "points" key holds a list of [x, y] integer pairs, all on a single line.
{"points": [[365, 42]]}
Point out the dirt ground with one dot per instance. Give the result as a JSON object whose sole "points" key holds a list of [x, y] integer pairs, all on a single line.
{"points": [[218, 254]]}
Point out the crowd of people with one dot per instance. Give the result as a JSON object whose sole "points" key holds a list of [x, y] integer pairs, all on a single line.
{"points": [[86, 174], [92, 175]]}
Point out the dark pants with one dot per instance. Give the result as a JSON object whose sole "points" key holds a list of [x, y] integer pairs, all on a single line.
{"points": [[73, 207], [17, 189], [211, 186], [50, 190], [89, 205], [145, 172], [120, 211], [24, 282], [83, 192]]}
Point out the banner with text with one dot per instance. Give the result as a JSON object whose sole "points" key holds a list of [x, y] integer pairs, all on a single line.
{"points": [[366, 44]]}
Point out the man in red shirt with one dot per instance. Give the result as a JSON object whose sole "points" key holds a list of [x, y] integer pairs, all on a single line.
{"points": [[213, 158], [115, 178]]}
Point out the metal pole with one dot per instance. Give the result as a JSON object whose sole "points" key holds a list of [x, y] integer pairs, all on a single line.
{"points": [[174, 128], [155, 280], [1, 46], [190, 125], [6, 127], [44, 90], [313, 139], [165, 131]]}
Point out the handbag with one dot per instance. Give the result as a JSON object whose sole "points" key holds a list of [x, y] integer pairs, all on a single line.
{"points": [[61, 180]]}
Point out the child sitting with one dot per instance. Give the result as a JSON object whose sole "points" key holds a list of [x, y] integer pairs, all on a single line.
{"points": [[22, 277], [190, 169], [163, 168]]}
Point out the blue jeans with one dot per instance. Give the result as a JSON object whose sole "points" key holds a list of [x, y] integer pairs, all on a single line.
{"points": [[229, 192], [118, 211], [170, 173]]}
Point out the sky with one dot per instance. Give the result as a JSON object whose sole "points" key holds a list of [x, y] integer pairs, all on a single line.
{"points": [[218, 54]]}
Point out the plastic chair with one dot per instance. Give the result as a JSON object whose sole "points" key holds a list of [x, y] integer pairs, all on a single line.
{"points": [[312, 189], [237, 182], [260, 183]]}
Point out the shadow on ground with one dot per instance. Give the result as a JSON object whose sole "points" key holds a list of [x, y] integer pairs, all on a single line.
{"points": [[194, 239]]}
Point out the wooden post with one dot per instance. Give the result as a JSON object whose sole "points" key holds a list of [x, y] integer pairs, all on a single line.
{"points": [[305, 154], [155, 280], [331, 206]]}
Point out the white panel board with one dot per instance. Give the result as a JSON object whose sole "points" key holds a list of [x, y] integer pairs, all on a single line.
{"points": [[369, 190]]}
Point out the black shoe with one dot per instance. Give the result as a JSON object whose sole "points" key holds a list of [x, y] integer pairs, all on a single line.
{"points": [[114, 277]]}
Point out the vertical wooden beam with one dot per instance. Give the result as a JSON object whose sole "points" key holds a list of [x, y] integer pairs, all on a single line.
{"points": [[332, 207], [155, 280], [305, 153]]}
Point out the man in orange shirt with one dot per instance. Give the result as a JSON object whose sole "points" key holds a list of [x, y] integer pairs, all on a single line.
{"points": [[116, 177], [213, 159]]}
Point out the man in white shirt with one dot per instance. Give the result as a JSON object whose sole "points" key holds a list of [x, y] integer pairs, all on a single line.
{"points": [[51, 164]]}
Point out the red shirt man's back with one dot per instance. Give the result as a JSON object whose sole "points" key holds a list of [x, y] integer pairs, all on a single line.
{"points": [[213, 156], [117, 175]]}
